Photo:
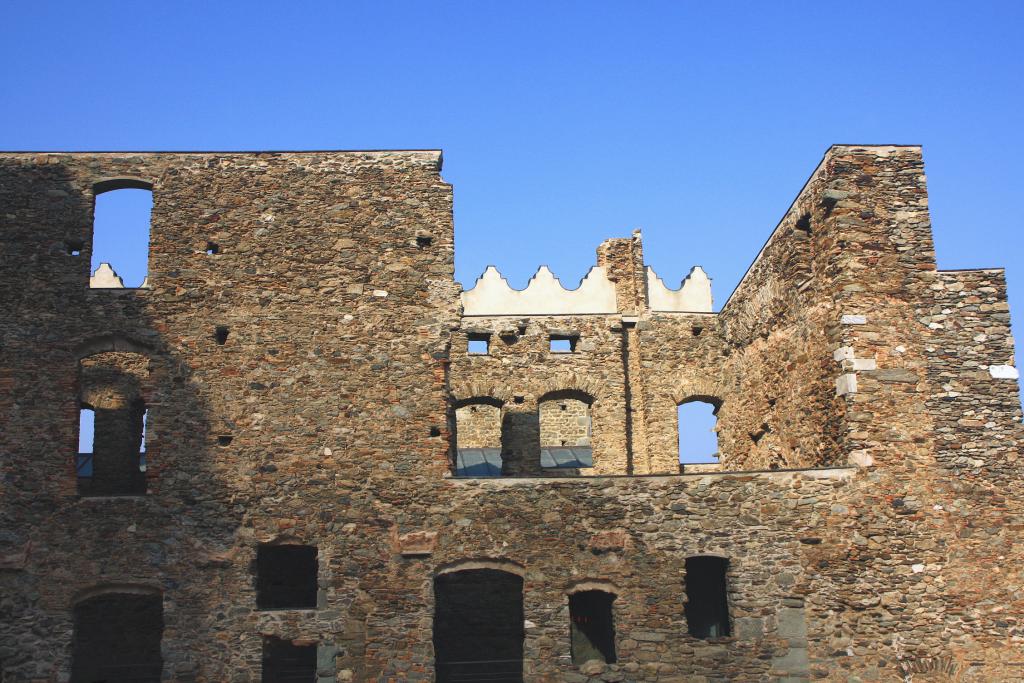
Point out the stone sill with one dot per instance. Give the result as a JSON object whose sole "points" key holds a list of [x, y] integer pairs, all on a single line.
{"points": [[837, 472], [127, 496]]}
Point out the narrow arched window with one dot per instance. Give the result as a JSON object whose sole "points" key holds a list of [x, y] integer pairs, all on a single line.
{"points": [[707, 603], [120, 234], [86, 434], [698, 431], [592, 626]]}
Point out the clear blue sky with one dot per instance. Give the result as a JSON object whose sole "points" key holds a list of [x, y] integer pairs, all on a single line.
{"points": [[562, 123]]}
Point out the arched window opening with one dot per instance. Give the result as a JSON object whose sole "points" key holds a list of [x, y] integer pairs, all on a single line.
{"points": [[565, 430], [478, 438], [287, 662], [707, 603], [120, 234], [286, 576], [698, 432], [86, 430], [592, 626], [112, 424], [478, 626], [117, 638]]}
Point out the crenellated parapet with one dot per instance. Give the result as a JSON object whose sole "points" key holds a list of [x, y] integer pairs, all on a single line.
{"points": [[543, 295], [597, 293], [693, 295], [105, 277]]}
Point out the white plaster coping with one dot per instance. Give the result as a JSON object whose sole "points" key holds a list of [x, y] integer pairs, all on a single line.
{"points": [[543, 295], [854, 320], [1003, 372], [846, 384], [693, 295], [105, 277]]}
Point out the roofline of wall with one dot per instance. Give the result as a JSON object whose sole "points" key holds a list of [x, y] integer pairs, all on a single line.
{"points": [[793, 203], [236, 152], [212, 151]]}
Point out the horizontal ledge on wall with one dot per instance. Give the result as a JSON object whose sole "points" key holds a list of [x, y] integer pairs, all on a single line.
{"points": [[838, 472]]}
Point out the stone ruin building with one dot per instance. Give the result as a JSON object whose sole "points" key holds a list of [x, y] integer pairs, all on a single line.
{"points": [[316, 458]]}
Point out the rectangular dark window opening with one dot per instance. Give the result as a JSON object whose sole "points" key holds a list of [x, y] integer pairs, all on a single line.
{"points": [[117, 639], [707, 604], [221, 335], [479, 344], [286, 662], [592, 626], [563, 344], [286, 577], [478, 626], [212, 248]]}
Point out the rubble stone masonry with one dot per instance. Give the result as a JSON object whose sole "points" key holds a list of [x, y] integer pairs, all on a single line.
{"points": [[309, 382]]}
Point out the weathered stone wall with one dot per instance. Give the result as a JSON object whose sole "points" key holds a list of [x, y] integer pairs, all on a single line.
{"points": [[478, 426], [333, 373], [115, 385], [326, 419], [972, 371], [564, 422], [521, 370]]}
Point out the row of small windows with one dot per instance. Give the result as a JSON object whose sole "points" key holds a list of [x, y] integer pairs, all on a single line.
{"points": [[560, 433], [114, 421], [478, 625], [479, 344]]}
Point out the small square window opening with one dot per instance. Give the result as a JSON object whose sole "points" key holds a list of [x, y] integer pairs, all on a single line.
{"points": [[479, 344], [563, 344]]}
